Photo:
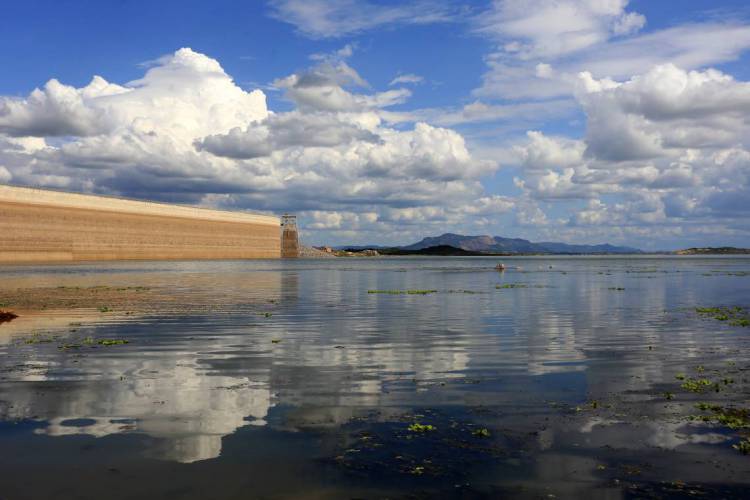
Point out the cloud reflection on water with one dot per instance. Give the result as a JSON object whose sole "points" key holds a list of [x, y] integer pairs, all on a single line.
{"points": [[330, 350]]}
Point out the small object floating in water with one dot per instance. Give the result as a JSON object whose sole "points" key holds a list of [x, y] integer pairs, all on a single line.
{"points": [[7, 316], [500, 267]]}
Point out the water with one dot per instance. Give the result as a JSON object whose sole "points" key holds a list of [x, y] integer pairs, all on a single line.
{"points": [[277, 379]]}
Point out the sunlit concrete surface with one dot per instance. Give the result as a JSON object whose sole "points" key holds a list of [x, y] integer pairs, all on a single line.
{"points": [[40, 225]]}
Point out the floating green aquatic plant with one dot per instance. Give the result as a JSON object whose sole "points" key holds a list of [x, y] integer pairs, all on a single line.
{"points": [[734, 418], [403, 292], [421, 428], [696, 385], [736, 316], [481, 433], [743, 446], [107, 342], [37, 338], [65, 347], [719, 272], [511, 285], [705, 406]]}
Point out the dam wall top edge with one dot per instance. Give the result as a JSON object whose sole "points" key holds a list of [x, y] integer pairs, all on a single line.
{"points": [[63, 199]]}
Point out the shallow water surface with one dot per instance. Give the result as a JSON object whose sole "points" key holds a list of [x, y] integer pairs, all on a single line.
{"points": [[560, 376]]}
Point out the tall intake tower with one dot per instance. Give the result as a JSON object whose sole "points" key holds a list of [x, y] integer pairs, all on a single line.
{"points": [[289, 237]]}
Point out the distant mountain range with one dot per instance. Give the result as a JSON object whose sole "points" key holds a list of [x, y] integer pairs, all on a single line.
{"points": [[500, 245]]}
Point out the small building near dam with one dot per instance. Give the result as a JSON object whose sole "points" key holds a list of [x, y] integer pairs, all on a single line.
{"points": [[48, 226]]}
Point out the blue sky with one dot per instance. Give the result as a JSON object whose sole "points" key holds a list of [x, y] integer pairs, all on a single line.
{"points": [[571, 120]]}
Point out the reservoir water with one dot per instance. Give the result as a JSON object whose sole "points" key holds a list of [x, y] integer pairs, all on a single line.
{"points": [[575, 377]]}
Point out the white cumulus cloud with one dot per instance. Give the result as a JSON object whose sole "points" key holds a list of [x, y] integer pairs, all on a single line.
{"points": [[668, 148], [187, 132]]}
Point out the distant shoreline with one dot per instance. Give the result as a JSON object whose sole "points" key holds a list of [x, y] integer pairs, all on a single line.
{"points": [[714, 251], [450, 251]]}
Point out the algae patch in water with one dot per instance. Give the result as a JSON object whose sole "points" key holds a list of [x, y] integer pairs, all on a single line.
{"points": [[402, 292]]}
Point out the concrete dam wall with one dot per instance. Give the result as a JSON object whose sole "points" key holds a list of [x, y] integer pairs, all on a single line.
{"points": [[47, 226]]}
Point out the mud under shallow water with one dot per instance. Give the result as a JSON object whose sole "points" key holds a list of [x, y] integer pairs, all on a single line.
{"points": [[573, 377]]}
